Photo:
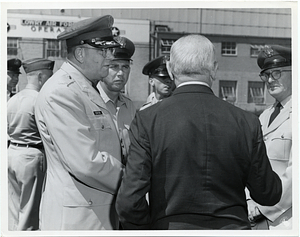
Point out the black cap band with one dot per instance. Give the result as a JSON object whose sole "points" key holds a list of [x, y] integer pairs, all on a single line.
{"points": [[97, 39]]}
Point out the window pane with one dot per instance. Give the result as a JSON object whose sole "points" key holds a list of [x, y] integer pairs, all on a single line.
{"points": [[227, 91], [166, 44], [53, 48], [229, 48], [256, 92], [12, 46], [255, 49]]}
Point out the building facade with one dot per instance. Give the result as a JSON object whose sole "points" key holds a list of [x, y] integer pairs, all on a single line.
{"points": [[238, 35]]}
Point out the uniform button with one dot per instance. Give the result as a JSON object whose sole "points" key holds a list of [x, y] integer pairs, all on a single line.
{"points": [[282, 136], [102, 126], [265, 138], [90, 202]]}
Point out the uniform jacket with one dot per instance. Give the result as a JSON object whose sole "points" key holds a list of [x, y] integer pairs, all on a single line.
{"points": [[83, 154], [194, 153], [278, 140], [122, 116], [21, 125], [26, 165], [151, 100]]}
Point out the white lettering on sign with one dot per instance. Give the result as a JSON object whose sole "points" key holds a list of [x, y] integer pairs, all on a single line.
{"points": [[46, 26], [46, 29], [46, 23]]}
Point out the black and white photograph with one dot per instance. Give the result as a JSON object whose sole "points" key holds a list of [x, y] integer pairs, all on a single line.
{"points": [[149, 118]]}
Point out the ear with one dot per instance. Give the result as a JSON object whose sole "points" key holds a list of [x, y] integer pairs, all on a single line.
{"points": [[214, 71], [151, 81], [169, 70], [40, 78], [79, 54]]}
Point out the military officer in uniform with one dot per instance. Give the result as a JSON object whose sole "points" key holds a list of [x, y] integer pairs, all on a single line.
{"points": [[83, 150], [13, 72], [159, 80], [110, 87], [275, 63], [26, 158]]}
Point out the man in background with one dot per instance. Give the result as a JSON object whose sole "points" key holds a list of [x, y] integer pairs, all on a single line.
{"points": [[110, 87], [84, 164], [275, 62], [13, 72], [159, 80], [26, 158], [194, 153]]}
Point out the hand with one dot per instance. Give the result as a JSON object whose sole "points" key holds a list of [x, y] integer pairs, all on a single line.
{"points": [[253, 211], [125, 143]]}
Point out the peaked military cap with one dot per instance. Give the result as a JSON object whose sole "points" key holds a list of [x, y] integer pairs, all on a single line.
{"points": [[37, 64], [95, 31], [126, 49], [13, 65], [156, 67], [273, 56]]}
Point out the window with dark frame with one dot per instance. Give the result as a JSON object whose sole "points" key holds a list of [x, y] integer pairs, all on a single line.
{"points": [[12, 46], [229, 48], [166, 45], [255, 49], [55, 48], [227, 91], [256, 92]]}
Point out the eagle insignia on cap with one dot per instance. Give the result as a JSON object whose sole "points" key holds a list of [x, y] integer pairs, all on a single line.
{"points": [[268, 51], [121, 41]]}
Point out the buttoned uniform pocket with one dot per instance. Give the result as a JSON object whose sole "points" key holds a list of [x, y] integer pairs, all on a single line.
{"points": [[84, 196], [279, 147], [85, 208], [99, 122]]}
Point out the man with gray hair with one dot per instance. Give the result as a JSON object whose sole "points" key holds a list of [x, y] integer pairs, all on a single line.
{"points": [[194, 153]]}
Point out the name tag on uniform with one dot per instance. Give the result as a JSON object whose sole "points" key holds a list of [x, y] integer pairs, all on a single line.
{"points": [[97, 112]]}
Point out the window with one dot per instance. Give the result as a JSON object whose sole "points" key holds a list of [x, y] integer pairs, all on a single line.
{"points": [[166, 45], [228, 91], [229, 48], [256, 92], [162, 28], [12, 46], [255, 49], [55, 48]]}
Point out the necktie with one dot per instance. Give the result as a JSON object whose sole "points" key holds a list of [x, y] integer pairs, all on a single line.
{"points": [[95, 87], [275, 112]]}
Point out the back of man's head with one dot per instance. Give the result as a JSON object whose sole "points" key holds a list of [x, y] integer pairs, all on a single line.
{"points": [[192, 55], [38, 70]]}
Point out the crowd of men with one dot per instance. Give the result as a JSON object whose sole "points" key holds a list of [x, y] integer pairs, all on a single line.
{"points": [[82, 157]]}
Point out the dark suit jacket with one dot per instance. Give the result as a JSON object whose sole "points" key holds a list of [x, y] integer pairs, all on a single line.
{"points": [[195, 154]]}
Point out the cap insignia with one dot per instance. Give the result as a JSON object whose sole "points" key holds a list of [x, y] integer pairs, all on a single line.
{"points": [[115, 31], [121, 41], [268, 51]]}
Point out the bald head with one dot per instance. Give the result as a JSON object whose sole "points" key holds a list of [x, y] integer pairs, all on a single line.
{"points": [[192, 58]]}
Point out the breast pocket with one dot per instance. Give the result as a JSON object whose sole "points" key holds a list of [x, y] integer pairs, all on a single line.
{"points": [[99, 122], [280, 146]]}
